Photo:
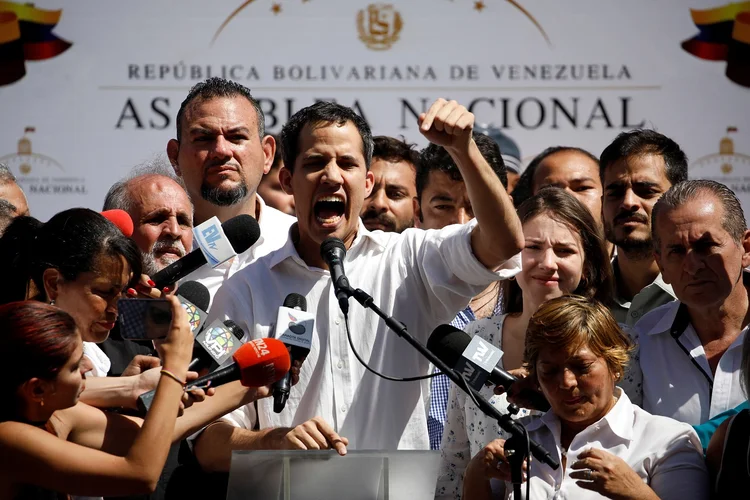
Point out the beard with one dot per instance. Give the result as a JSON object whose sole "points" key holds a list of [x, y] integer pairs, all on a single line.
{"points": [[223, 197], [152, 264], [634, 248]]}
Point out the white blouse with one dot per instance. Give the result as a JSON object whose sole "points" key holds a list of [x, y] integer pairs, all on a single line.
{"points": [[467, 428], [665, 453]]}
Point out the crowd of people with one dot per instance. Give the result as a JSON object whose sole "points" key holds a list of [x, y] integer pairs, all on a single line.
{"points": [[615, 287]]}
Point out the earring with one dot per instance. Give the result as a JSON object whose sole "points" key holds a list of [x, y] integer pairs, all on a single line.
{"points": [[52, 302], [41, 402], [512, 278]]}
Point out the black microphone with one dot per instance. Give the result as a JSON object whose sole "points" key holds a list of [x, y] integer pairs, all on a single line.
{"points": [[215, 344], [477, 360], [257, 363], [242, 232], [195, 299], [294, 326], [333, 252]]}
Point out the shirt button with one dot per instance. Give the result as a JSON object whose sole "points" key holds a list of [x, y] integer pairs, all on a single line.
{"points": [[635, 314], [338, 321], [343, 409], [340, 364]]}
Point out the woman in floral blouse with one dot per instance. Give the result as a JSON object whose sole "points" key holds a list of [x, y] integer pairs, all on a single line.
{"points": [[564, 253]]}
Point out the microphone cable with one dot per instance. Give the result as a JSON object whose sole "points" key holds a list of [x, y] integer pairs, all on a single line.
{"points": [[374, 371]]}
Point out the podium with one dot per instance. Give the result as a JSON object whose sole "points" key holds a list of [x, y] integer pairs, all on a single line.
{"points": [[323, 475]]}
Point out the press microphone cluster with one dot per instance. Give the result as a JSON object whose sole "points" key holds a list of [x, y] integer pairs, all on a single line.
{"points": [[256, 363], [242, 232]]}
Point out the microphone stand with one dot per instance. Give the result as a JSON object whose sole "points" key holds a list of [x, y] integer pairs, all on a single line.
{"points": [[515, 447]]}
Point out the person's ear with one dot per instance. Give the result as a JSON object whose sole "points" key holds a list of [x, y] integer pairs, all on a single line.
{"points": [[269, 152], [51, 279], [417, 212], [746, 249], [173, 150], [285, 179], [35, 389], [369, 183]]}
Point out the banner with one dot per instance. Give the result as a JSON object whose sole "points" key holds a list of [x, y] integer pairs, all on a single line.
{"points": [[104, 96]]}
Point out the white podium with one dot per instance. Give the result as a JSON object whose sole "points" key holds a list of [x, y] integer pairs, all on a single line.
{"points": [[323, 475]]}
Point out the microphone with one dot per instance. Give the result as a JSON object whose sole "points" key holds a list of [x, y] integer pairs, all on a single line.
{"points": [[294, 326], [121, 219], [194, 298], [215, 344], [477, 360], [242, 232], [257, 363], [333, 252]]}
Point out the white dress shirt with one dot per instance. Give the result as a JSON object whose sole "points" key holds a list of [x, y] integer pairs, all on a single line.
{"points": [[274, 230], [676, 381], [666, 454], [422, 278]]}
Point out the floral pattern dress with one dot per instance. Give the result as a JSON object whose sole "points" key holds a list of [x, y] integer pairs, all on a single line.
{"points": [[467, 429]]}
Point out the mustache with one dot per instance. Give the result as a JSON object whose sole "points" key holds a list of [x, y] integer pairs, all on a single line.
{"points": [[221, 163], [163, 244], [384, 219], [631, 215]]}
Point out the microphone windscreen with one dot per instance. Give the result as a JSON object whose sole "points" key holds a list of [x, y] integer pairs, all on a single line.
{"points": [[330, 244], [242, 232], [196, 293], [262, 362], [121, 219], [294, 300], [448, 343]]}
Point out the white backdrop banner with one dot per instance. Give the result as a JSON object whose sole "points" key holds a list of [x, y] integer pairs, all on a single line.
{"points": [[89, 89]]}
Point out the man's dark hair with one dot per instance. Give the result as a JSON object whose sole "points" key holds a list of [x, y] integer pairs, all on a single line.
{"points": [[643, 142], [393, 150], [436, 158], [525, 186], [322, 113], [216, 87]]}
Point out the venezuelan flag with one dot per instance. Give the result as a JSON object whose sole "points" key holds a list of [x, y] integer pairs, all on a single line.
{"points": [[26, 35], [724, 35]]}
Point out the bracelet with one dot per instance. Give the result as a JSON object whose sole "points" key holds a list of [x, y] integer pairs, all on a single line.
{"points": [[173, 377]]}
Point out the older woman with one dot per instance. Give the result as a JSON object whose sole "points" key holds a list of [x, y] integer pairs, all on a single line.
{"points": [[606, 445], [563, 253]]}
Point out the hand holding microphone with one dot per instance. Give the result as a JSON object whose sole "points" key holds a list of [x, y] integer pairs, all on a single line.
{"points": [[257, 363], [476, 359]]}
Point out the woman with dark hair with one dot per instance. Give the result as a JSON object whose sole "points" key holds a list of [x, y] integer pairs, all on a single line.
{"points": [[606, 445], [81, 262], [564, 253], [51, 442]]}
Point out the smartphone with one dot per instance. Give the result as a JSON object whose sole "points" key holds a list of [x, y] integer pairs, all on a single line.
{"points": [[144, 319]]}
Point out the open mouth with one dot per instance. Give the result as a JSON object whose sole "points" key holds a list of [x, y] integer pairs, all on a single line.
{"points": [[329, 210]]}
